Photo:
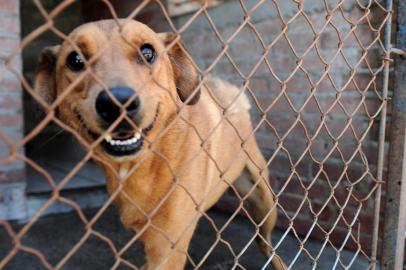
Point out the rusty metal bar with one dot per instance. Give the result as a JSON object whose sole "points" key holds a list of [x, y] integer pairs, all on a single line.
{"points": [[382, 133], [395, 210]]}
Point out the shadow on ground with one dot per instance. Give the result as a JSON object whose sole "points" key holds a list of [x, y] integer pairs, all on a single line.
{"points": [[54, 236]]}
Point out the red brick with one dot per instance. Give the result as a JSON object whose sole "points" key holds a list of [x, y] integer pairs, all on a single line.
{"points": [[12, 176], [8, 65], [296, 145], [301, 25], [8, 45], [295, 187], [268, 29], [356, 14], [325, 85], [371, 152], [311, 122], [316, 189], [313, 63], [10, 84], [365, 219], [291, 203], [363, 82], [339, 235], [10, 24], [280, 166], [356, 107], [365, 35], [301, 41], [374, 58], [347, 150], [336, 127], [10, 102], [318, 20], [281, 121], [321, 147], [320, 106], [9, 5], [282, 63], [246, 43], [283, 105], [281, 48], [341, 65], [327, 212], [299, 84], [345, 105], [343, 196], [331, 171], [11, 120], [225, 67], [328, 39], [266, 140], [259, 86]]}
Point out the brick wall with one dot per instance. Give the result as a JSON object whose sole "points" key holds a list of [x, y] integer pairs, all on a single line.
{"points": [[301, 120], [306, 167], [12, 171], [151, 14]]}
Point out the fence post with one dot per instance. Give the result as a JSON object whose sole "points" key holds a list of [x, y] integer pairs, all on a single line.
{"points": [[395, 208]]}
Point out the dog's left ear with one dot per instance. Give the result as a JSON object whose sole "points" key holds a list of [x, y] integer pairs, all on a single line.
{"points": [[45, 81], [186, 76]]}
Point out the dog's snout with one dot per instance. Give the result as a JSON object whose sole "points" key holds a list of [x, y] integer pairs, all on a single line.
{"points": [[109, 110]]}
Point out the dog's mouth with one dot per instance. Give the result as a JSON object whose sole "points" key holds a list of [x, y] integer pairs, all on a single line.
{"points": [[124, 143]]}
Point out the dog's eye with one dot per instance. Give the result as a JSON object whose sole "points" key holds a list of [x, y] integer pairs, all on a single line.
{"points": [[148, 53], [74, 62]]}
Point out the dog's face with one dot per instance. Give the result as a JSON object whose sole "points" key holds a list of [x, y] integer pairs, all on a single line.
{"points": [[135, 84]]}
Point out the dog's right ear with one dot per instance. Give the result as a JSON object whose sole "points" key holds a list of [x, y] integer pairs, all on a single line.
{"points": [[45, 81], [186, 76]]}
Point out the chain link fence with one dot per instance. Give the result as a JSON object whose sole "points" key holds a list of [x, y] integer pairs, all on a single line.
{"points": [[317, 77]]}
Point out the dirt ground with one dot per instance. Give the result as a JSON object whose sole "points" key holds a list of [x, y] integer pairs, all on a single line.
{"points": [[55, 235]]}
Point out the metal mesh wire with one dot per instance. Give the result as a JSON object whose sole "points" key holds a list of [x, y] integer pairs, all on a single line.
{"points": [[338, 126]]}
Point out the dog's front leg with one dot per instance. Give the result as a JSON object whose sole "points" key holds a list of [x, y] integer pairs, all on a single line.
{"points": [[166, 245]]}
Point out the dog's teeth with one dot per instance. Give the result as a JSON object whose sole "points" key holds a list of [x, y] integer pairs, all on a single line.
{"points": [[113, 142]]}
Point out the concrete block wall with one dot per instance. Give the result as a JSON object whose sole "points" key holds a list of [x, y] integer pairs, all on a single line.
{"points": [[12, 170], [301, 129]]}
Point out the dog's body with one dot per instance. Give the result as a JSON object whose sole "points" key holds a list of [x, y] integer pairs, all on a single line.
{"points": [[190, 154]]}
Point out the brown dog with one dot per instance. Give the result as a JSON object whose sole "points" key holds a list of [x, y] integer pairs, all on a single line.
{"points": [[166, 161]]}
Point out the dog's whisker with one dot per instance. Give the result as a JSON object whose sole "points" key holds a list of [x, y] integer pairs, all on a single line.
{"points": [[48, 140]]}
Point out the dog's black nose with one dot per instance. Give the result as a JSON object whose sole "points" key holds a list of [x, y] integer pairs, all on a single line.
{"points": [[109, 111]]}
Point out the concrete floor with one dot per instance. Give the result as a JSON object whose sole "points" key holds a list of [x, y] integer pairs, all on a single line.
{"points": [[55, 235]]}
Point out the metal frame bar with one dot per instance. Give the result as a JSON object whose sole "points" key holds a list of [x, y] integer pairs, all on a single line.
{"points": [[395, 210], [382, 133]]}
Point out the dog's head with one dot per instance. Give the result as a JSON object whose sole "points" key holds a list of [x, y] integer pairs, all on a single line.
{"points": [[136, 82]]}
